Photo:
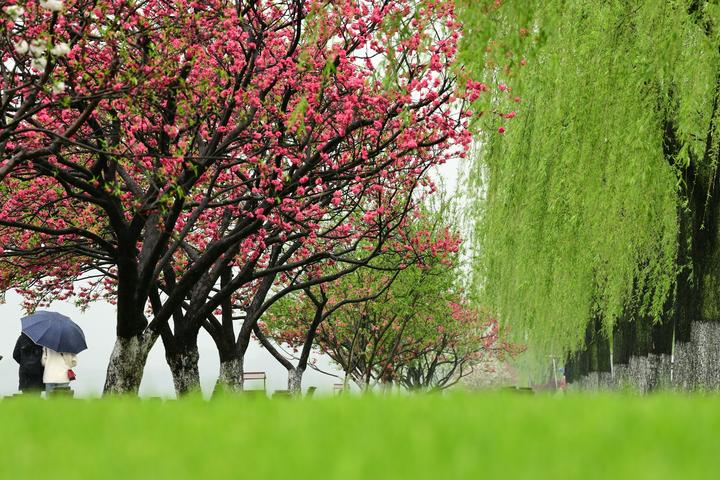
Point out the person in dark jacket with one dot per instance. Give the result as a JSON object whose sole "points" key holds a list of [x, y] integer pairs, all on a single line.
{"points": [[29, 356]]}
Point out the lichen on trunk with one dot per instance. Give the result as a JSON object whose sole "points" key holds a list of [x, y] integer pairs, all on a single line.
{"points": [[230, 377], [605, 381], [127, 363], [639, 373], [658, 372], [590, 382], [620, 380], [295, 381], [682, 368], [706, 355], [185, 371]]}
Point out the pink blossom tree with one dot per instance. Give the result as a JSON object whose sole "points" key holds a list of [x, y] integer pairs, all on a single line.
{"points": [[166, 151]]}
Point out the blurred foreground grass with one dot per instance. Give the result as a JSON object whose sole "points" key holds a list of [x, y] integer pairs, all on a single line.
{"points": [[419, 437]]}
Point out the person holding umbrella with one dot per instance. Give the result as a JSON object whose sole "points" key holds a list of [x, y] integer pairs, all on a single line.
{"points": [[58, 369], [29, 356], [61, 339]]}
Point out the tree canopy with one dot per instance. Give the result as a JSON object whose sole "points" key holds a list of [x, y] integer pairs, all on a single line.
{"points": [[580, 204], [180, 151]]}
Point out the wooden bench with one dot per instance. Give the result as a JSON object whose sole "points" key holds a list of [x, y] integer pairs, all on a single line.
{"points": [[255, 376]]}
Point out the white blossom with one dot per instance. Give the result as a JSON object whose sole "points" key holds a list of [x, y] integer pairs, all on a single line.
{"points": [[52, 5], [58, 87], [37, 48], [39, 63], [60, 50], [14, 11], [22, 47]]}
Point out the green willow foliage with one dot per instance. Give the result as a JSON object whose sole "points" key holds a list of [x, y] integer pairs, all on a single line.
{"points": [[577, 206]]}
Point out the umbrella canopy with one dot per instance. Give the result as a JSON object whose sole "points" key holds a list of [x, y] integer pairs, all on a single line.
{"points": [[54, 331]]}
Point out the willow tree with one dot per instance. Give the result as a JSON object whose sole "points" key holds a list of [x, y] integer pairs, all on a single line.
{"points": [[598, 204]]}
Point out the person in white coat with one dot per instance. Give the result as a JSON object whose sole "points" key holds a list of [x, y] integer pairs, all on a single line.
{"points": [[57, 365]]}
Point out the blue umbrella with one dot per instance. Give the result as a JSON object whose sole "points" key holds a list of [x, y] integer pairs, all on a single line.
{"points": [[54, 331]]}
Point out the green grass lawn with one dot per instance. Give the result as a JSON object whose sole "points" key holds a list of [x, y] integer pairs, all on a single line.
{"points": [[419, 437]]}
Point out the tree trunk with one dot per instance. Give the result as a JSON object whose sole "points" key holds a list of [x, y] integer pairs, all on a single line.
{"points": [[589, 382], [622, 348], [602, 361], [605, 381], [569, 369], [127, 363], [363, 382], [590, 367], [683, 368], [184, 368], [230, 378], [181, 353], [704, 339], [636, 348], [295, 382], [659, 365], [621, 340], [706, 355], [638, 373], [661, 347], [648, 373], [620, 378]]}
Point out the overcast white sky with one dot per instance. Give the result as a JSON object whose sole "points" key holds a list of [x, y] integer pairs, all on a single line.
{"points": [[98, 322]]}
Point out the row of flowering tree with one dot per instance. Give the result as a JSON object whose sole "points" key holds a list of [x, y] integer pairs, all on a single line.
{"points": [[193, 162], [399, 320]]}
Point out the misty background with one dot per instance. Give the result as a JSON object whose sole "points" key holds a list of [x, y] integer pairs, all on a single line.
{"points": [[98, 322]]}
